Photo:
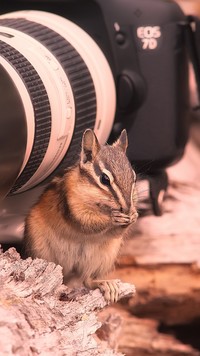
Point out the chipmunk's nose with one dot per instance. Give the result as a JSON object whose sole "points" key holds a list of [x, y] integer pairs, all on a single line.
{"points": [[128, 201]]}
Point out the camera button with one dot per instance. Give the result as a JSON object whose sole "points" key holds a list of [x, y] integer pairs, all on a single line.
{"points": [[125, 92], [131, 91], [120, 38]]}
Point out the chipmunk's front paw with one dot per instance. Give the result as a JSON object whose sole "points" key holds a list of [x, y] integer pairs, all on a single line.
{"points": [[133, 216], [120, 218], [109, 288]]}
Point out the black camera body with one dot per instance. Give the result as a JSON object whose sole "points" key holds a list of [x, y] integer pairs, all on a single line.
{"points": [[144, 43]]}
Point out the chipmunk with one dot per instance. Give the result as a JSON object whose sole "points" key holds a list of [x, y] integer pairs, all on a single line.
{"points": [[80, 220]]}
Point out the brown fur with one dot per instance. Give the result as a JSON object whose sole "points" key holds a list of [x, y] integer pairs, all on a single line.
{"points": [[77, 224]]}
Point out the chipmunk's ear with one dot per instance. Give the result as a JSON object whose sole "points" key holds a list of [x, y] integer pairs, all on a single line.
{"points": [[90, 146], [122, 141]]}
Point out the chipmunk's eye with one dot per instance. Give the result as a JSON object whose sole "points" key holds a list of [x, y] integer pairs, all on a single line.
{"points": [[105, 180]]}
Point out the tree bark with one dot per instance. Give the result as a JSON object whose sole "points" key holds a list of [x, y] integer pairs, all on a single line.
{"points": [[40, 315]]}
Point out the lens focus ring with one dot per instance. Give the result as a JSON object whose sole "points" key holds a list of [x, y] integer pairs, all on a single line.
{"points": [[76, 70], [41, 108]]}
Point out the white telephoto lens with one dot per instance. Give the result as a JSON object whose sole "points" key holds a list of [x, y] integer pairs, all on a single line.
{"points": [[65, 84]]}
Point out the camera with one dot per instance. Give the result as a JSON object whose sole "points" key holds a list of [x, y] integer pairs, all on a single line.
{"points": [[73, 64]]}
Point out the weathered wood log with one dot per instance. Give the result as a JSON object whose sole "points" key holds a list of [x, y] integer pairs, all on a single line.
{"points": [[40, 315]]}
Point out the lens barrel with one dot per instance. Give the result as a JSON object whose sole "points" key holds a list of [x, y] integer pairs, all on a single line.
{"points": [[57, 70]]}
